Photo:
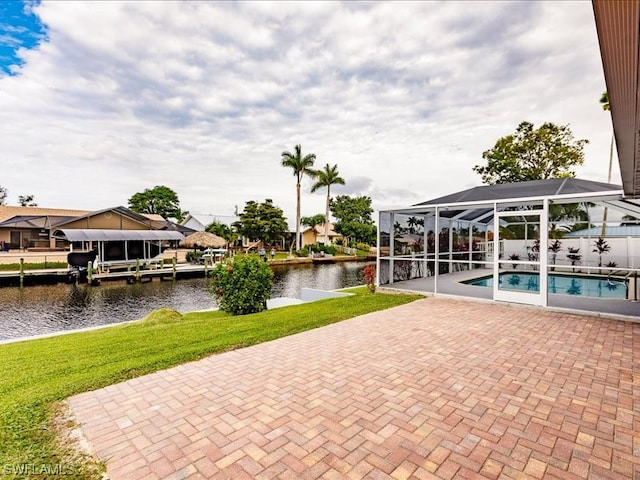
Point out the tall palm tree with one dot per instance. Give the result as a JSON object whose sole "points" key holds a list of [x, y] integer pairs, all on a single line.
{"points": [[301, 165], [606, 106], [325, 178]]}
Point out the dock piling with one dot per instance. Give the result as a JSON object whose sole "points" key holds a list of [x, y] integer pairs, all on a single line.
{"points": [[22, 272]]}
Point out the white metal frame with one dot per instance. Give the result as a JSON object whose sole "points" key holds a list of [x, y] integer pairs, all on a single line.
{"points": [[610, 197], [520, 296]]}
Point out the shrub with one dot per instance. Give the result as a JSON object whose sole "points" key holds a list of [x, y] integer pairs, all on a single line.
{"points": [[369, 275], [243, 286], [365, 247], [303, 252], [329, 249]]}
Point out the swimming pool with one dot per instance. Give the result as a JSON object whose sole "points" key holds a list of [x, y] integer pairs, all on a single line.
{"points": [[577, 285]]}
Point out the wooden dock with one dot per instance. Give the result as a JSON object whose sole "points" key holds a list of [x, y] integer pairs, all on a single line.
{"points": [[62, 275], [33, 277], [166, 273]]}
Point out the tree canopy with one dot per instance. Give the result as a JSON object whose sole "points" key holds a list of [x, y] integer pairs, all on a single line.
{"points": [[353, 218], [27, 201], [604, 101], [314, 220], [262, 221], [3, 196], [549, 151], [325, 178], [224, 231], [159, 199]]}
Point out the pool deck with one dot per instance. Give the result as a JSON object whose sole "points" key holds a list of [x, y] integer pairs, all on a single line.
{"points": [[450, 284], [440, 388]]}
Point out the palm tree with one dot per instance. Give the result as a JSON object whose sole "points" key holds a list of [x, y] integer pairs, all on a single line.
{"points": [[413, 223], [224, 231], [606, 106], [325, 178], [301, 165], [604, 100], [313, 221]]}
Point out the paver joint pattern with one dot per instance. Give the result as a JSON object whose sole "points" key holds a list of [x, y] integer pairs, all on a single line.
{"points": [[440, 388]]}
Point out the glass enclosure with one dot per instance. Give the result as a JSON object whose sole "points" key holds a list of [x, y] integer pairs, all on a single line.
{"points": [[520, 250]]}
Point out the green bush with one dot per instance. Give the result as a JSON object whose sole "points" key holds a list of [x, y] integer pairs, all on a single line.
{"points": [[243, 286], [330, 249], [303, 252], [365, 247]]}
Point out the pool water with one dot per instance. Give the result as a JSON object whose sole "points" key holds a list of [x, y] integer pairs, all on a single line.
{"points": [[577, 285]]}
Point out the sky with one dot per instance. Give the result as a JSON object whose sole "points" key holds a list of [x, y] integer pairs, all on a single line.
{"points": [[100, 100]]}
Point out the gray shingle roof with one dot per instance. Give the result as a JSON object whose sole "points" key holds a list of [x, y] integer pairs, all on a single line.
{"points": [[535, 188]]}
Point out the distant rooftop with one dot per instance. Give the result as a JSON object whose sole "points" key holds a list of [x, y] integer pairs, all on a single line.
{"points": [[9, 211], [610, 232]]}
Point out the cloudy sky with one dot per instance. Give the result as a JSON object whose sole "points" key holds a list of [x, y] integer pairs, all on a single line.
{"points": [[100, 100]]}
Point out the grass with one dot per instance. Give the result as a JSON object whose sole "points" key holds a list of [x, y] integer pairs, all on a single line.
{"points": [[33, 266], [36, 374]]}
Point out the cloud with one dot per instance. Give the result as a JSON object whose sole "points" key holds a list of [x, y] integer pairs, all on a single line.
{"points": [[204, 96]]}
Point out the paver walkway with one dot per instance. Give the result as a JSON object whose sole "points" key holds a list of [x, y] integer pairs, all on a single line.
{"points": [[438, 388]]}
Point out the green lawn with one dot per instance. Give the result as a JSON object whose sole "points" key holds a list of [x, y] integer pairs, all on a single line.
{"points": [[36, 374], [33, 266]]}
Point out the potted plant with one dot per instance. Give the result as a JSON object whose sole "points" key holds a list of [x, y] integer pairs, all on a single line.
{"points": [[514, 257], [573, 256], [554, 248], [533, 252], [600, 247], [369, 275]]}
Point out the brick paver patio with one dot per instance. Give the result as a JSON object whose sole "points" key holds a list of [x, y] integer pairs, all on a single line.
{"points": [[439, 388]]}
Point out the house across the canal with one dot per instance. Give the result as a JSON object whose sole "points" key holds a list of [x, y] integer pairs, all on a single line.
{"points": [[116, 234]]}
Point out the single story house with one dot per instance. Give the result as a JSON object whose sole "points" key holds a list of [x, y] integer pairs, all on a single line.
{"points": [[29, 227], [316, 234], [117, 234]]}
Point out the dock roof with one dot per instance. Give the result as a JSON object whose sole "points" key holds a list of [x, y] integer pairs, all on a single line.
{"points": [[87, 235]]}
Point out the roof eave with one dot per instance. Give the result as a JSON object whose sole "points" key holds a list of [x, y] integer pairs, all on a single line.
{"points": [[617, 24]]}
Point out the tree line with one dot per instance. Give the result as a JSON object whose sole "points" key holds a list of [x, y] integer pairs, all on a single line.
{"points": [[265, 221], [23, 200]]}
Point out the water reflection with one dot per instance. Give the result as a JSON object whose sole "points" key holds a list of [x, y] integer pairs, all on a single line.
{"points": [[51, 308]]}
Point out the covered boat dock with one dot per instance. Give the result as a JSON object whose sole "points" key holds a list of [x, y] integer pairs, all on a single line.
{"points": [[119, 247]]}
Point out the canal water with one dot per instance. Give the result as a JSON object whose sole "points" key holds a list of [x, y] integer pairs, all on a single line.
{"points": [[38, 310]]}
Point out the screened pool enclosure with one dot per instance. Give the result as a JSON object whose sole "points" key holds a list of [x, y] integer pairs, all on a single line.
{"points": [[531, 242]]}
